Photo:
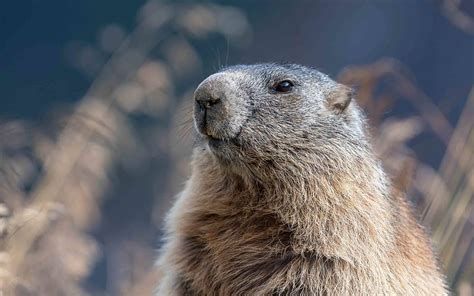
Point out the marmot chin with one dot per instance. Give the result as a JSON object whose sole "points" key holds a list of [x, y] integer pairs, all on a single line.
{"points": [[286, 196]]}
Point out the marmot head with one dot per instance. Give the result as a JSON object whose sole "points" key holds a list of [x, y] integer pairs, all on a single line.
{"points": [[268, 118]]}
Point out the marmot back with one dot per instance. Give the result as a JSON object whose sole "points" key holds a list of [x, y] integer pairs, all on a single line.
{"points": [[287, 198]]}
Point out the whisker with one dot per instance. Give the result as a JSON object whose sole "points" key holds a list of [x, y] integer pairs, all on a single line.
{"points": [[184, 132], [227, 53]]}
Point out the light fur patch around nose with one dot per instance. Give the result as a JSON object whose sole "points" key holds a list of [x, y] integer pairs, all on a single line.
{"points": [[225, 120]]}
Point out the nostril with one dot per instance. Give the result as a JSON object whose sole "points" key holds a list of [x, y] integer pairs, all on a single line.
{"points": [[213, 102], [208, 102]]}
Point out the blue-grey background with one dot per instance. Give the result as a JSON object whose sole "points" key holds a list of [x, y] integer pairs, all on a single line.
{"points": [[38, 77], [326, 34]]}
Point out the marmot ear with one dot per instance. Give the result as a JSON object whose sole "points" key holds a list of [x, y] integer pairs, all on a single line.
{"points": [[339, 99]]}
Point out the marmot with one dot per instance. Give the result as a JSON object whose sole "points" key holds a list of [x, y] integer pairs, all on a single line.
{"points": [[286, 196]]}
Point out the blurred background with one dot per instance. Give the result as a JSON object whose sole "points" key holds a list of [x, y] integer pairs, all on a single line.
{"points": [[96, 130]]}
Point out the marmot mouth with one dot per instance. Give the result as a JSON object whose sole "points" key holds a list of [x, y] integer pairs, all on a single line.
{"points": [[209, 137], [216, 143]]}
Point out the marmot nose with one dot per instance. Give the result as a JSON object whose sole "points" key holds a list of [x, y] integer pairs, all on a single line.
{"points": [[208, 101], [220, 106]]}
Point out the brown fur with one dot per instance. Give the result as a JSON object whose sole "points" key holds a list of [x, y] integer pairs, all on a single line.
{"points": [[301, 219]]}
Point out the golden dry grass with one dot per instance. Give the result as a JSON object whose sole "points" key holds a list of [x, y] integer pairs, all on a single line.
{"points": [[46, 246]]}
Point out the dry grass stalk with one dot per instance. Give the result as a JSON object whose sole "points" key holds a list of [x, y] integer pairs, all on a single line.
{"points": [[65, 202]]}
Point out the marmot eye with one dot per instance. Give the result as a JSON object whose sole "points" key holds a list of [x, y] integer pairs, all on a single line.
{"points": [[284, 86]]}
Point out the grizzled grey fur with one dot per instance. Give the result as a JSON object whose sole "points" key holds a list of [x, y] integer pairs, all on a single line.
{"points": [[286, 196]]}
